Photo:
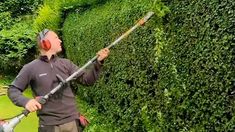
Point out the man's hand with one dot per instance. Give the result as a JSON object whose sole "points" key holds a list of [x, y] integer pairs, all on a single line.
{"points": [[102, 54], [33, 105]]}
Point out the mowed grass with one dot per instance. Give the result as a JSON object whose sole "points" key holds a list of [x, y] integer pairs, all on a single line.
{"points": [[8, 109]]}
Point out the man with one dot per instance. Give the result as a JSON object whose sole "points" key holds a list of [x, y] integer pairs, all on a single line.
{"points": [[59, 114]]}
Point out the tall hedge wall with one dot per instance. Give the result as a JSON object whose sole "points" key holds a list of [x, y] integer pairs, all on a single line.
{"points": [[126, 86], [196, 67]]}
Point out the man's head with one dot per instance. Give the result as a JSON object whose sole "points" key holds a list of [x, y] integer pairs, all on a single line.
{"points": [[48, 41]]}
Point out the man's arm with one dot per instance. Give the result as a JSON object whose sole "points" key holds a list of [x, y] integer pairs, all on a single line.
{"points": [[15, 95], [89, 76], [18, 86]]}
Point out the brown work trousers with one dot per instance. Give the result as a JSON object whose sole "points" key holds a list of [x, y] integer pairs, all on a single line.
{"points": [[67, 127]]}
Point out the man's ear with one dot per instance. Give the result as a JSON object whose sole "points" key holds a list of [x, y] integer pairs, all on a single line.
{"points": [[46, 44]]}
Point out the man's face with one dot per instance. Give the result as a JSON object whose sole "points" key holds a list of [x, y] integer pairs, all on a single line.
{"points": [[55, 42]]}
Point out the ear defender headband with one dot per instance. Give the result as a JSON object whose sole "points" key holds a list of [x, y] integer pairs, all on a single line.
{"points": [[44, 43]]}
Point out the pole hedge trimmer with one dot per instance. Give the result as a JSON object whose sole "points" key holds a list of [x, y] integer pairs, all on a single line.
{"points": [[8, 126]]}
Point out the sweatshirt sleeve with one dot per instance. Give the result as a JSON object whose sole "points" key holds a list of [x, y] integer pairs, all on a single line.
{"points": [[90, 75], [18, 86]]}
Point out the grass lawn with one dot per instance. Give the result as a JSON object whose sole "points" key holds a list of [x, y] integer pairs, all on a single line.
{"points": [[8, 109]]}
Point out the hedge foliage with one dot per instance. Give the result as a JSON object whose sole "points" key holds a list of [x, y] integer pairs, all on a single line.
{"points": [[17, 37], [6, 20], [196, 67], [181, 84], [126, 87], [17, 46], [19, 7], [51, 14]]}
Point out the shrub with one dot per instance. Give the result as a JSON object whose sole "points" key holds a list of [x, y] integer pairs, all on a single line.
{"points": [[51, 14], [16, 35], [196, 67], [126, 88], [48, 17], [20, 7], [17, 46], [5, 20]]}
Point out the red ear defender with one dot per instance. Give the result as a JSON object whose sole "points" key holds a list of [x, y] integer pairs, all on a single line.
{"points": [[46, 45]]}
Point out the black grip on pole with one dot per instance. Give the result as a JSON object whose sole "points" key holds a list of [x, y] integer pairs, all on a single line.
{"points": [[25, 112]]}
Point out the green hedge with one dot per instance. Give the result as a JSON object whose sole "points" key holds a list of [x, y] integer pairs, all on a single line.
{"points": [[17, 46], [19, 7], [51, 14], [6, 20], [125, 87], [17, 38], [196, 67]]}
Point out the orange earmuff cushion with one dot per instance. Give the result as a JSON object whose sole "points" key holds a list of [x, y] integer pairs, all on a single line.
{"points": [[46, 45]]}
